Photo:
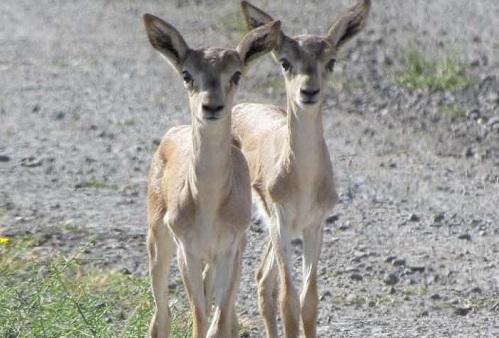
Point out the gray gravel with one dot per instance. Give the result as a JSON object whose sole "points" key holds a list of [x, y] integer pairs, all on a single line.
{"points": [[84, 100]]}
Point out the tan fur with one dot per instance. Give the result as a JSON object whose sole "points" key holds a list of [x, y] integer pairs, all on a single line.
{"points": [[199, 194], [290, 167]]}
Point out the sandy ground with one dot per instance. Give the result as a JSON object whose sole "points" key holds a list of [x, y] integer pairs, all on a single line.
{"points": [[412, 248]]}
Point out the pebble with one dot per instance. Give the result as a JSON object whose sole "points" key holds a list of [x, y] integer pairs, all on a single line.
{"points": [[390, 259], [462, 311], [435, 296], [413, 218], [356, 277], [4, 158], [332, 218], [391, 278], [325, 295], [438, 218], [399, 262], [425, 313], [466, 237]]}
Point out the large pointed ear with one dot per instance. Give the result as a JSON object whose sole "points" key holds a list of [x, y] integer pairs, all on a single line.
{"points": [[254, 16], [349, 24], [167, 40], [259, 41]]}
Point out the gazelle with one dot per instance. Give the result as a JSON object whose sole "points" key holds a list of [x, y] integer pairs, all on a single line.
{"points": [[290, 167], [199, 194]]}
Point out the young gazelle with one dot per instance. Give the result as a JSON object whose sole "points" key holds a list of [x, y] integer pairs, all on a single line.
{"points": [[290, 167], [199, 194]]}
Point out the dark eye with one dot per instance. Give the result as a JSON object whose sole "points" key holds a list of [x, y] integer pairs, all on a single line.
{"points": [[236, 77], [187, 77], [330, 65], [285, 64]]}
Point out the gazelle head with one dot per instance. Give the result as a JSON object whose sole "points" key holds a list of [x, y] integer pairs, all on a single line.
{"points": [[308, 60], [211, 75]]}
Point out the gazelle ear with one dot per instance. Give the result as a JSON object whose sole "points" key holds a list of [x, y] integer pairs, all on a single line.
{"points": [[259, 41], [349, 24], [167, 40], [254, 16]]}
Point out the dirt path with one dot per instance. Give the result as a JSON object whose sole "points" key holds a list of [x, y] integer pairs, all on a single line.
{"points": [[410, 251]]}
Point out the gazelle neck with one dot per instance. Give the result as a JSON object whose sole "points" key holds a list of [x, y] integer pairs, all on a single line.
{"points": [[211, 165], [305, 130]]}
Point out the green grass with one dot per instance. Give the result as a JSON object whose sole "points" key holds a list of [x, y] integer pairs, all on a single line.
{"points": [[56, 296], [234, 21], [423, 72], [452, 111], [96, 184]]}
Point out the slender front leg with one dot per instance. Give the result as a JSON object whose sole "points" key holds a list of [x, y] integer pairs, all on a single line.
{"points": [[226, 285], [312, 241], [208, 287], [161, 247], [267, 290], [288, 297], [191, 270]]}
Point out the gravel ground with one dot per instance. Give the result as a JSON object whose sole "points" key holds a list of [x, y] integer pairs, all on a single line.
{"points": [[411, 249]]}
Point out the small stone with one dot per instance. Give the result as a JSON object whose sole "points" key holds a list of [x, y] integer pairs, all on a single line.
{"points": [[473, 114], [399, 262], [325, 295], [493, 124], [462, 311], [332, 218], [4, 158], [413, 218], [59, 115], [31, 162], [125, 271], [356, 277], [435, 296], [391, 278], [476, 290], [425, 313], [466, 237], [468, 152], [345, 226], [437, 218], [419, 269], [390, 259]]}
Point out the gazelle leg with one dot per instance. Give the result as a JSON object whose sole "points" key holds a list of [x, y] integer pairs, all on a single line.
{"points": [[235, 319], [267, 290], [191, 271], [208, 287], [161, 248], [226, 285], [312, 241], [288, 297]]}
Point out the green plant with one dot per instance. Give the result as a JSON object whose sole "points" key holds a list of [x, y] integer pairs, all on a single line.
{"points": [[452, 111], [59, 297], [422, 72], [234, 21]]}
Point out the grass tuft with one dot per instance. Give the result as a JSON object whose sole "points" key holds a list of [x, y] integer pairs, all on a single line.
{"points": [[234, 22], [422, 72], [58, 297]]}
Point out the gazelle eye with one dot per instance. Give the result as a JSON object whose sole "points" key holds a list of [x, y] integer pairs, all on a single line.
{"points": [[187, 77], [285, 64], [236, 77], [330, 65]]}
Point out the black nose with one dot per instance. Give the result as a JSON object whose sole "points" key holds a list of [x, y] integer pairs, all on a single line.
{"points": [[212, 109], [310, 93]]}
